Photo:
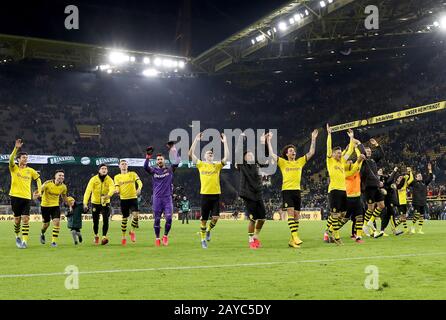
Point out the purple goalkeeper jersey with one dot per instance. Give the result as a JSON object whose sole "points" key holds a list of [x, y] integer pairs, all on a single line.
{"points": [[162, 180]]}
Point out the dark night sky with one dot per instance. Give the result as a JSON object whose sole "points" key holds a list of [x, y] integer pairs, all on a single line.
{"points": [[138, 25]]}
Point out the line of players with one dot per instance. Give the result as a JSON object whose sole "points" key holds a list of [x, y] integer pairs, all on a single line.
{"points": [[350, 184], [354, 183], [101, 187]]}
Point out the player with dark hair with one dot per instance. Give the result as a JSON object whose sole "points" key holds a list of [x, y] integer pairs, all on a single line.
{"points": [[125, 186], [20, 193], [291, 169], [419, 198], [402, 184], [371, 183], [251, 192], [52, 190], [162, 185], [100, 189], [353, 189], [390, 213], [210, 186], [336, 164]]}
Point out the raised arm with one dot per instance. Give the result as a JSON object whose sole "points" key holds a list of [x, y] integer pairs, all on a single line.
{"points": [[310, 153], [269, 137], [226, 148], [174, 157], [410, 178], [391, 177], [329, 143], [351, 146], [239, 149], [378, 153], [18, 145], [192, 155]]}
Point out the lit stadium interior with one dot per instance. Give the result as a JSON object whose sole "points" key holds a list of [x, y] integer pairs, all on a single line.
{"points": [[296, 67]]}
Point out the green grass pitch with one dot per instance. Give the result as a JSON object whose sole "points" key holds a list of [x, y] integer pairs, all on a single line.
{"points": [[409, 266]]}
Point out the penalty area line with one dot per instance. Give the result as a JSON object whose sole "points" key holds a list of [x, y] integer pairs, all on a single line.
{"points": [[254, 264]]}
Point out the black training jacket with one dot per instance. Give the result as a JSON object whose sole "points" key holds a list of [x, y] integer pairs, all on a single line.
{"points": [[390, 186], [419, 191], [369, 169]]}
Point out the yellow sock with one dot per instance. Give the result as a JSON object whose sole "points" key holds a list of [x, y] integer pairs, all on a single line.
{"points": [[55, 234], [25, 232], [203, 232]]}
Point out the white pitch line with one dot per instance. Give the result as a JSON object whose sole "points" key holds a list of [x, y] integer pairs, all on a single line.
{"points": [[3, 276]]}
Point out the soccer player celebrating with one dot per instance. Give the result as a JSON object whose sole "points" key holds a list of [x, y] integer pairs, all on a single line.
{"points": [[353, 189], [52, 190], [210, 187], [125, 186], [336, 164], [20, 192], [391, 203], [291, 169], [402, 183], [162, 185], [419, 198], [100, 189], [251, 193], [370, 178]]}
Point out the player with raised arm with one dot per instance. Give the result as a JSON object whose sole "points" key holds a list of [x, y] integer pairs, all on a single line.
{"points": [[419, 198], [391, 202], [353, 188], [336, 164], [210, 187], [20, 192], [291, 169], [402, 183], [370, 179], [100, 189], [251, 192], [52, 191], [162, 185], [125, 186]]}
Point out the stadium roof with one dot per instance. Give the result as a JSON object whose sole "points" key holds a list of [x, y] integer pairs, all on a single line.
{"points": [[301, 34], [72, 55], [305, 32]]}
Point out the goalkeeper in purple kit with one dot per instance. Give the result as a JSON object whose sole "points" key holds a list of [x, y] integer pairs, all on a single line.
{"points": [[162, 185]]}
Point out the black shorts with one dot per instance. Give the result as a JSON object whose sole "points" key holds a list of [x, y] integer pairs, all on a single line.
{"points": [[373, 195], [210, 206], [419, 210], [98, 209], [255, 210], [402, 209], [20, 206], [50, 213], [338, 201], [127, 206], [354, 207], [392, 210], [291, 199]]}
